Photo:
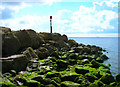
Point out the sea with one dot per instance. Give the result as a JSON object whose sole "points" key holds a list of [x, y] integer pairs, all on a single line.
{"points": [[108, 43]]}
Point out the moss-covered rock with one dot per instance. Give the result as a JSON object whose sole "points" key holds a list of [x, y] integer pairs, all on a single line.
{"points": [[80, 79], [46, 81], [56, 79], [72, 61], [69, 84], [42, 80], [107, 79], [87, 50], [117, 77], [95, 64], [63, 57], [113, 84], [61, 64], [52, 74], [99, 59], [104, 70], [81, 70], [85, 61], [20, 80], [55, 83], [97, 83], [38, 78], [78, 49], [7, 84], [13, 72], [73, 56], [90, 77], [50, 85], [32, 83], [55, 54], [69, 76]]}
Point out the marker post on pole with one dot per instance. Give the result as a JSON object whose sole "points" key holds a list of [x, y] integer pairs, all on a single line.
{"points": [[50, 24]]}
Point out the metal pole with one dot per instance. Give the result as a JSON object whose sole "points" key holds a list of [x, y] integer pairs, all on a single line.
{"points": [[50, 24]]}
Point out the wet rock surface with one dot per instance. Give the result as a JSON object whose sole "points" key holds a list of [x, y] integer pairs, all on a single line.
{"points": [[33, 59]]}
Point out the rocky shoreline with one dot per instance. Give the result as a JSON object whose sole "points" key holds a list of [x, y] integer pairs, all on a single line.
{"points": [[42, 59]]}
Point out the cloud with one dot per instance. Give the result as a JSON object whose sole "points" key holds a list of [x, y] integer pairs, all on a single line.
{"points": [[88, 19], [9, 9], [11, 3], [61, 20], [38, 23], [7, 13], [109, 3], [84, 20]]}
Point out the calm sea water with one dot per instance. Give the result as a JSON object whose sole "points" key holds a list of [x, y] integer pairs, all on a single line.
{"points": [[108, 43]]}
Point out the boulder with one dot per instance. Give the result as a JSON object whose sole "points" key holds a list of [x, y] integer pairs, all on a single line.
{"points": [[20, 80], [85, 61], [42, 80], [90, 77], [32, 83], [56, 36], [10, 44], [61, 64], [5, 29], [69, 84], [30, 53], [42, 52], [60, 44], [64, 38], [52, 74], [50, 85], [7, 84], [107, 79], [16, 62], [113, 84], [38, 78], [69, 77], [72, 43], [45, 35], [51, 47], [99, 59], [95, 64], [104, 57], [50, 36], [117, 77], [36, 40], [73, 56], [81, 70], [97, 83], [72, 61], [56, 79], [24, 38], [77, 49], [87, 50]]}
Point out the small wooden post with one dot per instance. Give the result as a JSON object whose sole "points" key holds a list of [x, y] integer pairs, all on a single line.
{"points": [[50, 24]]}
